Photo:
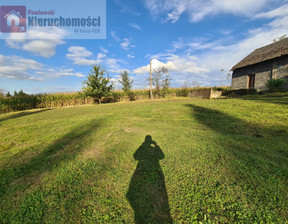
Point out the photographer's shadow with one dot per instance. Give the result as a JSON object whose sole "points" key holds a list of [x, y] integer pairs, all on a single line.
{"points": [[147, 193]]}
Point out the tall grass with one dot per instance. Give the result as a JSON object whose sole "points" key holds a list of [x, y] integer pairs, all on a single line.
{"points": [[26, 102]]}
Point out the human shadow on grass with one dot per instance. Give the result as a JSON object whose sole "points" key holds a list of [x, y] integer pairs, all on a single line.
{"points": [[249, 155], [22, 114], [63, 149], [147, 193]]}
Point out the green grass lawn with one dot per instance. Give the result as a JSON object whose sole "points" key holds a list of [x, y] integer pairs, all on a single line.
{"points": [[169, 161]]}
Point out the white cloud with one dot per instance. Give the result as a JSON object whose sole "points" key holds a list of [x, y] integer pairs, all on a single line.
{"points": [[114, 36], [77, 51], [105, 51], [40, 42], [81, 56], [279, 12], [130, 56], [225, 31], [135, 26], [118, 71], [181, 68], [77, 74], [199, 9], [126, 44], [113, 63], [14, 67], [175, 63], [100, 55], [199, 44], [60, 72]]}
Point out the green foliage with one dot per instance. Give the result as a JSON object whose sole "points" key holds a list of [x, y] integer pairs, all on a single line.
{"points": [[117, 95], [21, 94], [126, 81], [18, 94], [161, 81], [97, 85], [183, 92], [275, 84], [8, 94], [27, 102]]}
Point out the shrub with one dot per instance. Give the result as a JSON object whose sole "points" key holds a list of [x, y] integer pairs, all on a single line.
{"points": [[183, 92], [275, 84], [131, 95], [117, 95]]}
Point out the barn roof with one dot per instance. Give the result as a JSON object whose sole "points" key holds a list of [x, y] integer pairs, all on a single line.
{"points": [[264, 53]]}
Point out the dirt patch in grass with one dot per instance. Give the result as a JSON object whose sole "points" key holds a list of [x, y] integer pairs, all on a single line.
{"points": [[92, 153]]}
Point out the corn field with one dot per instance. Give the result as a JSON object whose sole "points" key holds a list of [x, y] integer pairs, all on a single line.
{"points": [[9, 104]]}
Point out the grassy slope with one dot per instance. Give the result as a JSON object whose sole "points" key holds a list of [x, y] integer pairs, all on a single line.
{"points": [[225, 161]]}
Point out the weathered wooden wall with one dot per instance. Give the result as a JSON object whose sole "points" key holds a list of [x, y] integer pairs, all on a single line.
{"points": [[275, 68]]}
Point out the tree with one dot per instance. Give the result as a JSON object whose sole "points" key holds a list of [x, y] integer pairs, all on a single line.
{"points": [[186, 84], [21, 93], [196, 84], [126, 81], [228, 78], [8, 94], [97, 85], [161, 80]]}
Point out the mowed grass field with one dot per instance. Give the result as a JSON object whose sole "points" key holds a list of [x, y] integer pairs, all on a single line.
{"points": [[166, 161]]}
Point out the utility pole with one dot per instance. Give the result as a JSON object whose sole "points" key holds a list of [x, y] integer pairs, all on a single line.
{"points": [[151, 94]]}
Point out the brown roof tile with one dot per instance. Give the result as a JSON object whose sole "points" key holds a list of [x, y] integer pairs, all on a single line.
{"points": [[264, 53]]}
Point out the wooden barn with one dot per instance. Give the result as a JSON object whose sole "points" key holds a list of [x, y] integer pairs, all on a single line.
{"points": [[263, 64]]}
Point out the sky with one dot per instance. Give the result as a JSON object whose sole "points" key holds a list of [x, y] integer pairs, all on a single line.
{"points": [[197, 40]]}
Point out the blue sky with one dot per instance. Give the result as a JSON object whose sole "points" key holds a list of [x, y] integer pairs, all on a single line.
{"points": [[198, 41]]}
